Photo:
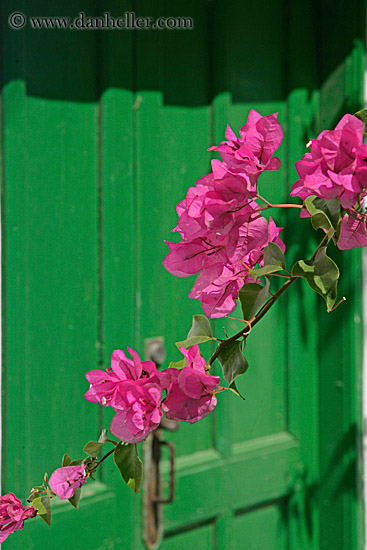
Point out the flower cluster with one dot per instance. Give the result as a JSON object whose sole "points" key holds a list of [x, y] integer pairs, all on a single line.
{"points": [[64, 481], [336, 167], [138, 393], [223, 232], [12, 515]]}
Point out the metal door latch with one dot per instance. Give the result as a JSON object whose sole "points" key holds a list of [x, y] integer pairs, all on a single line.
{"points": [[153, 497]]}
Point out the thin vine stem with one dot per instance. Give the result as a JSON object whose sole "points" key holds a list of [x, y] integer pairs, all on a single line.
{"points": [[102, 459], [282, 205]]}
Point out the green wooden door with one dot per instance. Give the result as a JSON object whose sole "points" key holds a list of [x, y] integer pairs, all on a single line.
{"points": [[103, 132]]}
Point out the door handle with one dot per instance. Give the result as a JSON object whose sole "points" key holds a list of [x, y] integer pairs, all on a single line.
{"points": [[153, 497], [157, 445]]}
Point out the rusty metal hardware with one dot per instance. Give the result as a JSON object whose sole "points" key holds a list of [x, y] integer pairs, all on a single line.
{"points": [[153, 498], [169, 425], [157, 444], [155, 350]]}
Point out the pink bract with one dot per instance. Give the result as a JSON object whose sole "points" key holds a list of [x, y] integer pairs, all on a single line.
{"points": [[191, 392], [64, 481], [104, 385], [217, 288], [138, 411], [12, 515], [353, 232], [336, 166], [222, 230], [251, 154]]}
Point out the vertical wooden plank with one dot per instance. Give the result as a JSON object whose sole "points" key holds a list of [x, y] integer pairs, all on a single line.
{"points": [[241, 85], [340, 358], [51, 265], [303, 368], [50, 271], [172, 122], [117, 236], [302, 344]]}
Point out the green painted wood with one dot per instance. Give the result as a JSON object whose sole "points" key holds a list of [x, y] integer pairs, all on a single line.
{"points": [[117, 234], [249, 531], [98, 147], [170, 132], [203, 537], [258, 471], [67, 184]]}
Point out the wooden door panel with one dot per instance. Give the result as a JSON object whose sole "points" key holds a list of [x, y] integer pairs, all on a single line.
{"points": [[200, 537], [208, 484], [262, 528], [93, 166], [62, 201]]}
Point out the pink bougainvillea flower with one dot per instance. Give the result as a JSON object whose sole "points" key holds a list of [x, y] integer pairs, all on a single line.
{"points": [[104, 385], [64, 481], [188, 257], [353, 232], [251, 239], [191, 392], [138, 410], [222, 230], [251, 154], [217, 288], [220, 258], [336, 166], [12, 515]]}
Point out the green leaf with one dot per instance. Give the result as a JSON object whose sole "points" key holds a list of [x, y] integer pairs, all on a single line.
{"points": [[43, 506], [178, 364], [266, 270], [92, 448], [76, 462], [129, 464], [252, 296], [273, 255], [322, 275], [233, 362], [34, 495], [66, 460], [233, 388], [39, 506], [74, 500], [89, 463], [199, 333], [362, 115], [273, 261], [325, 214]]}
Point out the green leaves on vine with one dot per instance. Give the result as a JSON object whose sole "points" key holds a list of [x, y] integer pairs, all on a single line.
{"points": [[325, 214], [252, 296], [273, 261], [233, 364], [322, 275], [362, 115], [43, 506], [199, 333], [129, 465], [92, 448]]}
